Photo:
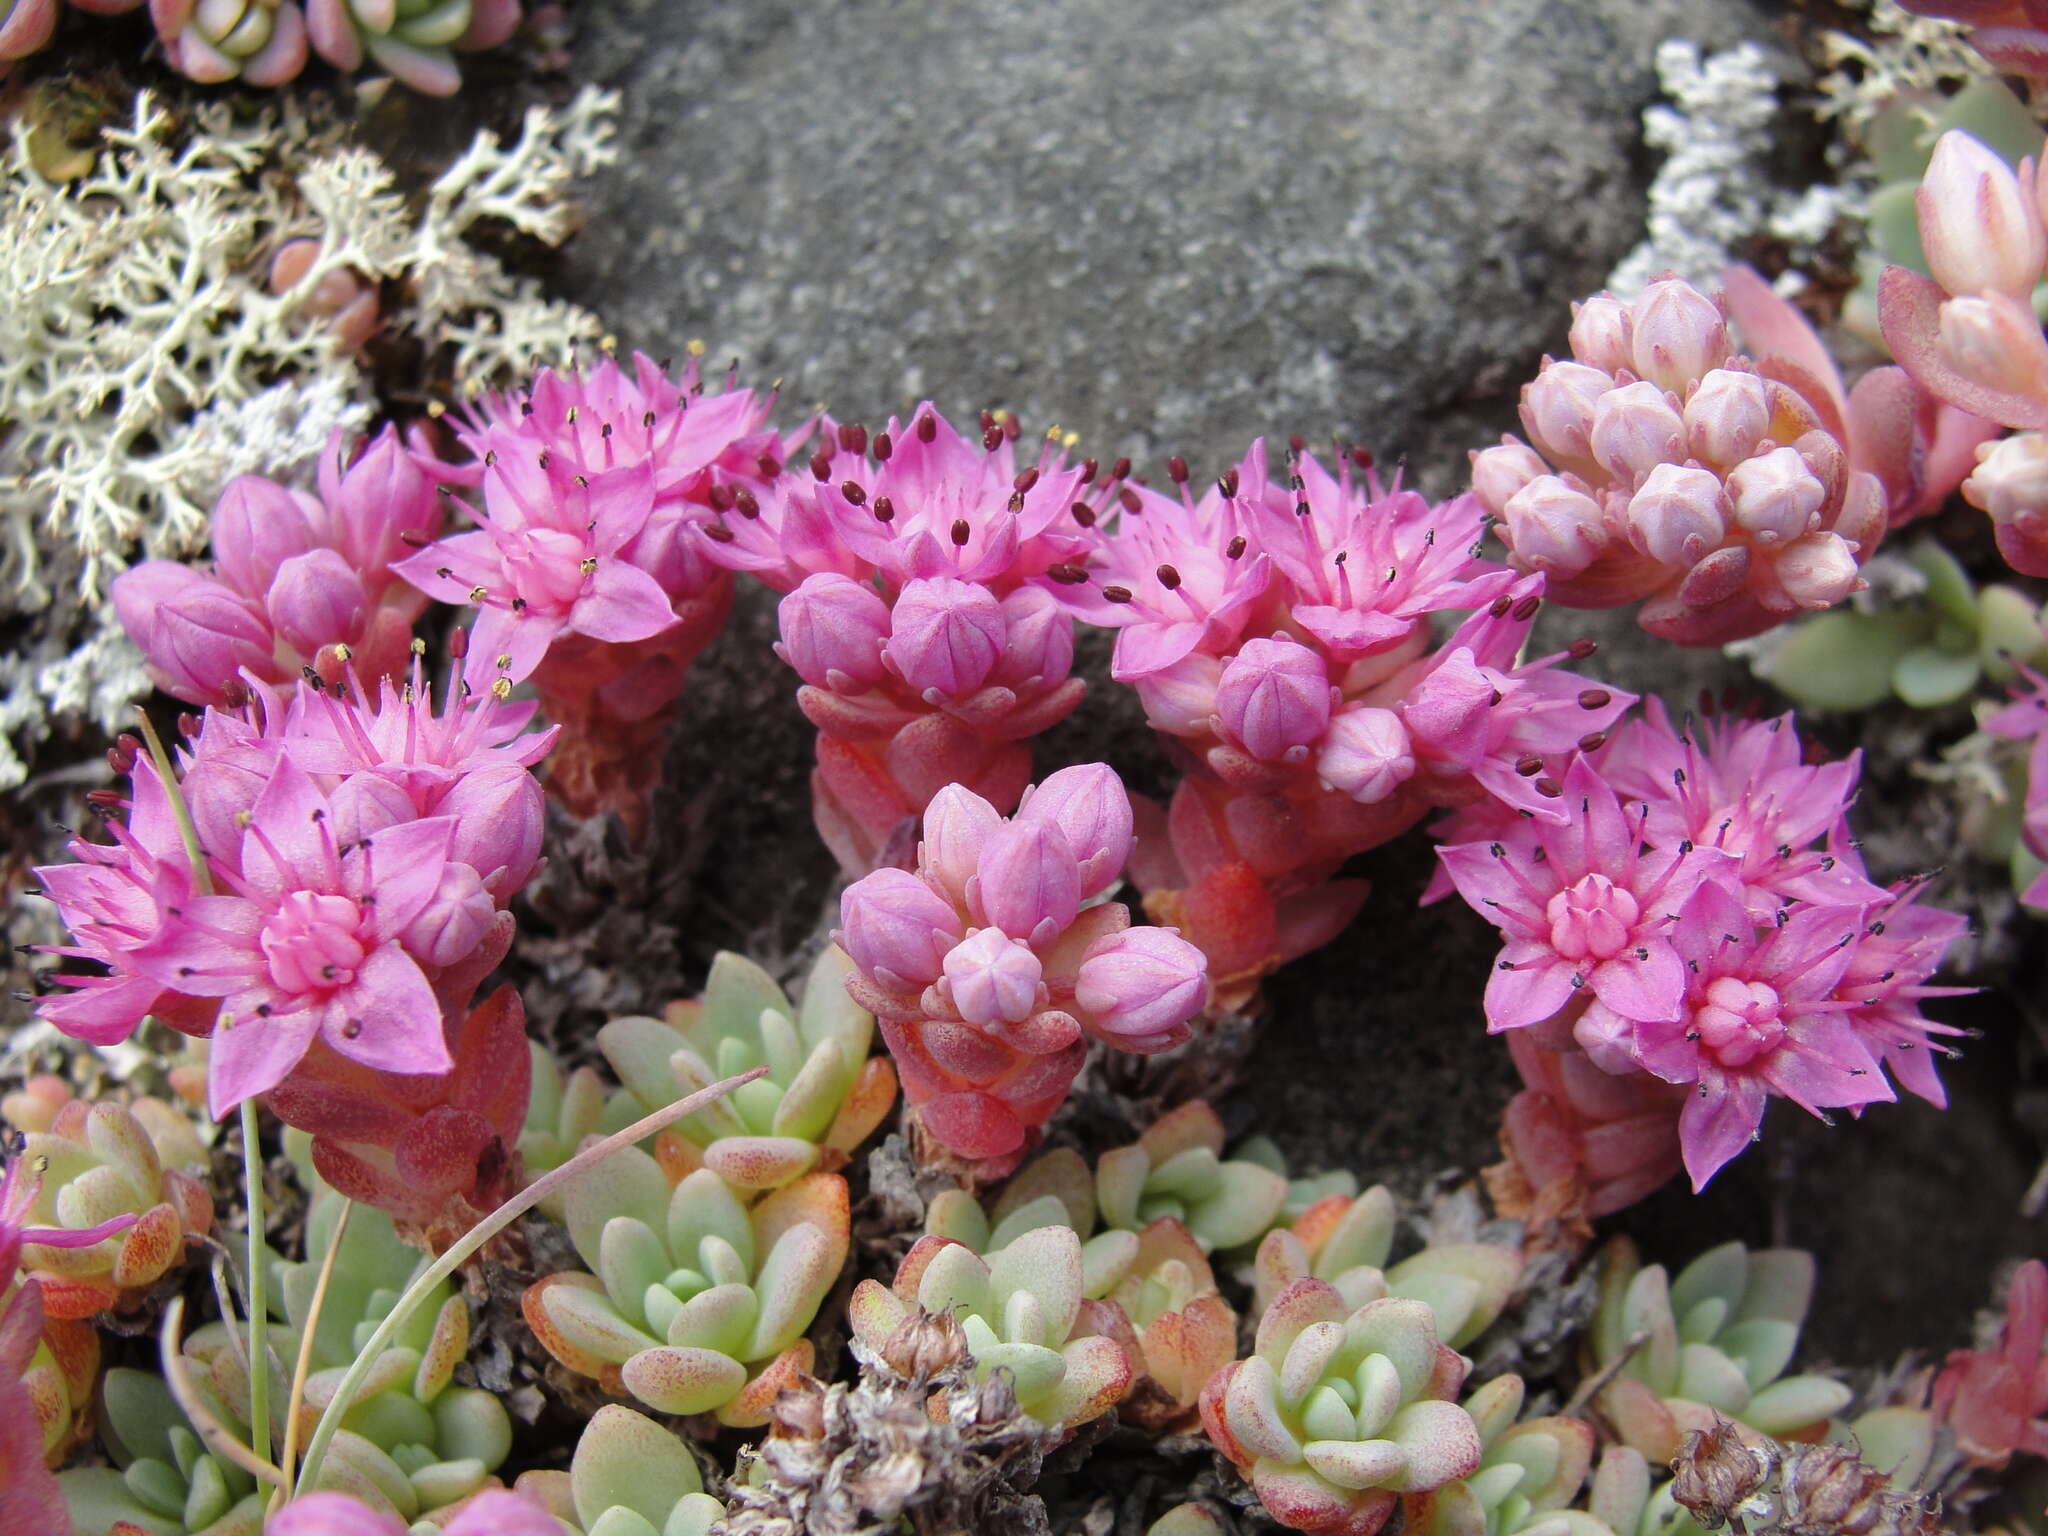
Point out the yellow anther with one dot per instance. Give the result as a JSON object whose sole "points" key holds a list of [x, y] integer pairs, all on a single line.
{"points": [[608, 343], [1067, 440], [419, 647], [589, 566], [242, 818], [501, 687], [695, 348], [478, 594], [436, 409], [342, 652], [504, 665]]}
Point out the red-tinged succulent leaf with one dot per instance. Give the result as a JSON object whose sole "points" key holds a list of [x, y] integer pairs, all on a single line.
{"points": [[442, 1150], [1182, 1350], [69, 1297], [910, 1273], [190, 1198], [1193, 1124], [1229, 915], [1452, 1510], [1295, 1308], [1640, 1418], [1441, 1442], [1098, 1375], [1772, 327], [1046, 1265], [1574, 1440], [493, 1069], [874, 1312], [818, 1198], [147, 1249], [750, 1407], [865, 1106], [1215, 1418], [673, 1380], [759, 1162], [1062, 1174], [1297, 1497], [74, 1346], [1251, 1411], [533, 1306], [372, 1183], [1357, 1464], [1120, 1176], [388, 1373], [50, 1402], [446, 1348], [1909, 312], [793, 1281]]}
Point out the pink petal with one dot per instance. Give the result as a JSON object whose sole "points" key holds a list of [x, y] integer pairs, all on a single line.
{"points": [[518, 639], [469, 559], [395, 1020], [253, 1056], [405, 864], [622, 602], [207, 951], [1645, 983], [285, 824], [1528, 984], [1718, 1121]]}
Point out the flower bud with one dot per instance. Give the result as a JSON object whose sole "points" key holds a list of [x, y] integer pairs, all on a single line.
{"points": [[316, 600], [1601, 332], [454, 920], [257, 526], [1557, 409], [1091, 808], [1027, 882], [195, 634], [993, 980], [380, 498], [1366, 754], [1141, 986], [1979, 228], [957, 826], [500, 814], [1679, 515], [1038, 644], [896, 928], [832, 632], [364, 804], [1817, 571], [1180, 700], [1995, 341], [1500, 471], [1727, 417], [2011, 479], [1274, 698], [1552, 526], [1678, 335], [945, 635], [1775, 495], [1634, 430], [332, 1514]]}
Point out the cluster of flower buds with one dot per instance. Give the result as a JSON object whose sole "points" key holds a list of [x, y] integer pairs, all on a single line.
{"points": [[1662, 465], [1996, 1400], [988, 965], [916, 565], [301, 583], [1279, 636], [1969, 333], [354, 861], [266, 42], [582, 569], [1701, 916]]}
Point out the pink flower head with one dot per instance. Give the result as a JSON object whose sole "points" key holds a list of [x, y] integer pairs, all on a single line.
{"points": [[915, 501], [547, 560], [1759, 1018], [494, 1512], [985, 970], [1745, 787], [1901, 946], [1582, 905], [308, 944], [1996, 1400], [1175, 575], [1365, 567]]}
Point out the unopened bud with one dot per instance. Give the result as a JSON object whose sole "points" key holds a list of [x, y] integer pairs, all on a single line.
{"points": [[1557, 409], [1994, 341], [1679, 334], [993, 980], [1366, 754], [832, 630], [945, 635], [1090, 806], [1776, 497], [1556, 527], [1634, 430], [1727, 417], [1141, 986], [1679, 514], [1499, 472], [1274, 697], [1601, 333], [2011, 479], [893, 925], [1979, 228], [957, 826], [1817, 571]]}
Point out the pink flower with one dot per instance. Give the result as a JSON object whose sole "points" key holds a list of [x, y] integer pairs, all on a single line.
{"points": [[1996, 1400], [309, 944], [1582, 905], [333, 1514], [1759, 1019], [1902, 944], [546, 560]]}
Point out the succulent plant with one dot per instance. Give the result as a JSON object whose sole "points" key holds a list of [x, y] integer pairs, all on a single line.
{"points": [[1182, 1330], [1187, 1520], [698, 1302], [629, 1477], [410, 38], [1021, 1310], [823, 1093], [562, 1110], [1347, 1243], [1715, 1340], [1929, 651], [1304, 1191], [1339, 1412], [98, 1161], [412, 1442], [1530, 1471], [1177, 1168]]}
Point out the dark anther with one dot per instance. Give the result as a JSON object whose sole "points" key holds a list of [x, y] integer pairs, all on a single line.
{"points": [[1525, 610], [885, 510], [1169, 578], [927, 427], [853, 438], [1594, 698], [744, 500], [1116, 594], [1549, 788], [1023, 483], [1500, 607], [883, 447], [1234, 548], [1528, 765], [961, 531], [1177, 470], [821, 465], [853, 493], [1084, 514]]}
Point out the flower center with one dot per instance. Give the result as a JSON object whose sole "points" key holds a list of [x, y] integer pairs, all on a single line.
{"points": [[1739, 1021], [1592, 919], [311, 944], [546, 567]]}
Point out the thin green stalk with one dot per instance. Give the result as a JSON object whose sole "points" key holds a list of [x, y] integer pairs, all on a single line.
{"points": [[252, 1147], [476, 1237]]}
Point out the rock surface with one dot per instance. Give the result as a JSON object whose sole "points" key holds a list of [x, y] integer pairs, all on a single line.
{"points": [[1171, 228]]}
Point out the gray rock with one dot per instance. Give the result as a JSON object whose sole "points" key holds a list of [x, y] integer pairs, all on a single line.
{"points": [[1168, 227]]}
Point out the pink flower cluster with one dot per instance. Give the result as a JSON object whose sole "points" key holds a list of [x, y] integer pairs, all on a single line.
{"points": [[493, 1512], [583, 569], [1701, 917], [916, 565], [1278, 633], [1969, 333], [300, 582], [988, 965], [266, 42], [355, 861]]}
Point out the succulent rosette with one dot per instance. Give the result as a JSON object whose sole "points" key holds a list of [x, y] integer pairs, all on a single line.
{"points": [[1530, 1471], [822, 1095], [696, 1302], [628, 1477], [1338, 1412], [1022, 1311], [410, 38], [260, 41]]}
